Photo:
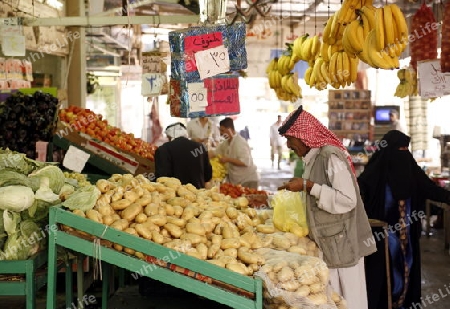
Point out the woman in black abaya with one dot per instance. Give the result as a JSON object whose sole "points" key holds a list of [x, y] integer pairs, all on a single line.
{"points": [[394, 189]]}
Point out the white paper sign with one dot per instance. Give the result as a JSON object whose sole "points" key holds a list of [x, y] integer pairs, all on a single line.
{"points": [[13, 45], [212, 61], [75, 159], [152, 84], [197, 97], [432, 82]]}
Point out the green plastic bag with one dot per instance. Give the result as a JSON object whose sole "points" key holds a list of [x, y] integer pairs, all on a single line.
{"points": [[289, 212]]}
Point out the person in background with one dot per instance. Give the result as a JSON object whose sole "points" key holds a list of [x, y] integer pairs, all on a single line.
{"points": [[245, 133], [335, 213], [183, 158], [203, 130], [395, 121], [394, 189], [236, 153], [276, 142]]}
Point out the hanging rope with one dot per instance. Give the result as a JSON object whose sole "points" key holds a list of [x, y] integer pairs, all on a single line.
{"points": [[304, 17], [315, 20]]}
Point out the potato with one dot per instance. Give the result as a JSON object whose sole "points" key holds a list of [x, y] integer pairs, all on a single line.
{"points": [[141, 218], [139, 255], [217, 262], [194, 253], [79, 212], [151, 226], [144, 200], [218, 211], [265, 228], [170, 211], [297, 249], [177, 221], [317, 287], [302, 291], [231, 212], [118, 195], [120, 204], [193, 238], [290, 286], [178, 201], [249, 257], [159, 220], [120, 224], [237, 267], [251, 212], [230, 252], [280, 242], [285, 274], [118, 247], [279, 265], [202, 251], [212, 250], [318, 299], [216, 239], [230, 243], [195, 228], [103, 185], [131, 231], [206, 215], [108, 220], [94, 215], [173, 229], [131, 212], [227, 232], [241, 202], [157, 237], [188, 213]]}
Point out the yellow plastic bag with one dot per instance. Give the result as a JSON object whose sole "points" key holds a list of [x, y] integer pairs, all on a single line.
{"points": [[289, 212]]}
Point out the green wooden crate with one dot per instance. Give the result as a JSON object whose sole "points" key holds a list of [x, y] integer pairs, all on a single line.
{"points": [[249, 285]]}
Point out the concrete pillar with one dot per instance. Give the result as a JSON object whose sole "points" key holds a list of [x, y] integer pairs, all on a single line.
{"points": [[76, 84]]}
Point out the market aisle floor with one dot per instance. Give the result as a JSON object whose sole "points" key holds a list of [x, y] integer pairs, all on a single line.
{"points": [[435, 271]]}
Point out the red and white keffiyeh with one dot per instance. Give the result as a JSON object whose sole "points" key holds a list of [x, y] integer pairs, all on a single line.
{"points": [[314, 134]]}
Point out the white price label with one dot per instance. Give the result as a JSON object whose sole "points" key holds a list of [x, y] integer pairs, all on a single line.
{"points": [[212, 61], [432, 82], [75, 159], [197, 97], [13, 45], [152, 83]]}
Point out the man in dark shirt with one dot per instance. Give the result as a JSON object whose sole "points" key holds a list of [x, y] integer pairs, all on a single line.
{"points": [[182, 158]]}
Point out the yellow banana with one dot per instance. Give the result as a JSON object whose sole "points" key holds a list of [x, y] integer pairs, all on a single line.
{"points": [[272, 65], [399, 20], [345, 66], [354, 62], [325, 72], [368, 3], [316, 70], [366, 25], [327, 29], [271, 77], [334, 29], [379, 29], [308, 75], [332, 67], [388, 26], [315, 48], [364, 55], [306, 49], [356, 36], [324, 51], [277, 79], [339, 68], [370, 15], [380, 59]]}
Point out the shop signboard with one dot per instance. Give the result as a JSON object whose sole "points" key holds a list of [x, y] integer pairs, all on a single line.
{"points": [[432, 82]]}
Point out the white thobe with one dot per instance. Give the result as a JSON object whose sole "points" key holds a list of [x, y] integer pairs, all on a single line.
{"points": [[340, 198]]}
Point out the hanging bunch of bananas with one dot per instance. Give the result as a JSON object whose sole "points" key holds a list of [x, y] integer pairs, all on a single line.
{"points": [[387, 39], [281, 79], [306, 48], [408, 83], [219, 171]]}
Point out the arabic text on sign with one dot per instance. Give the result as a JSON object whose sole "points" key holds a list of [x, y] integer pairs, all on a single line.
{"points": [[151, 64], [212, 61], [193, 44], [433, 83], [223, 95], [197, 94]]}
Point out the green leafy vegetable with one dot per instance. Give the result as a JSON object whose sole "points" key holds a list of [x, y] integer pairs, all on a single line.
{"points": [[16, 198], [9, 177], [84, 198], [54, 174]]}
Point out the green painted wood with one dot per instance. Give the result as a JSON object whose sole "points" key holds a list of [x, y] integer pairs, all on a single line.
{"points": [[147, 247], [162, 274], [13, 288], [52, 267], [94, 159]]}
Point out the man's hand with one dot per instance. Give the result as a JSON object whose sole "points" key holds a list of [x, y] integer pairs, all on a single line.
{"points": [[224, 159], [294, 184]]}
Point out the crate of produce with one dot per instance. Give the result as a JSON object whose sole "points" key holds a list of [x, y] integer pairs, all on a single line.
{"points": [[157, 262]]}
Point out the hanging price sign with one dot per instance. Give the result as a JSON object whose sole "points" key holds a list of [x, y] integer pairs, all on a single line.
{"points": [[433, 83], [152, 84], [151, 64], [212, 61], [198, 97]]}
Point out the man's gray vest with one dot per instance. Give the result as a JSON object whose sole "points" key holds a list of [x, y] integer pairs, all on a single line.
{"points": [[343, 238]]}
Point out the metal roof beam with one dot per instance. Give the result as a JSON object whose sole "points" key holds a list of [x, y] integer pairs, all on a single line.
{"points": [[87, 21]]}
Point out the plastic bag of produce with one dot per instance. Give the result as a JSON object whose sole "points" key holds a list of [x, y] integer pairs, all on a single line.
{"points": [[295, 280], [289, 212]]}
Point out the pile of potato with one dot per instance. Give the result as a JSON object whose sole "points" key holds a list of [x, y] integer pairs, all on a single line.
{"points": [[202, 223]]}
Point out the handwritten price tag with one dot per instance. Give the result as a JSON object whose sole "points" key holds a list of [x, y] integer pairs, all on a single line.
{"points": [[198, 97], [212, 61], [75, 159], [151, 64], [152, 83], [433, 83]]}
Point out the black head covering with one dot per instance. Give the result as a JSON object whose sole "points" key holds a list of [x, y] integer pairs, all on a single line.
{"points": [[388, 165], [283, 129]]}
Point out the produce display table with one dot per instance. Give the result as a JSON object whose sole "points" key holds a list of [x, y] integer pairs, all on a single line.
{"points": [[32, 276], [163, 264]]}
